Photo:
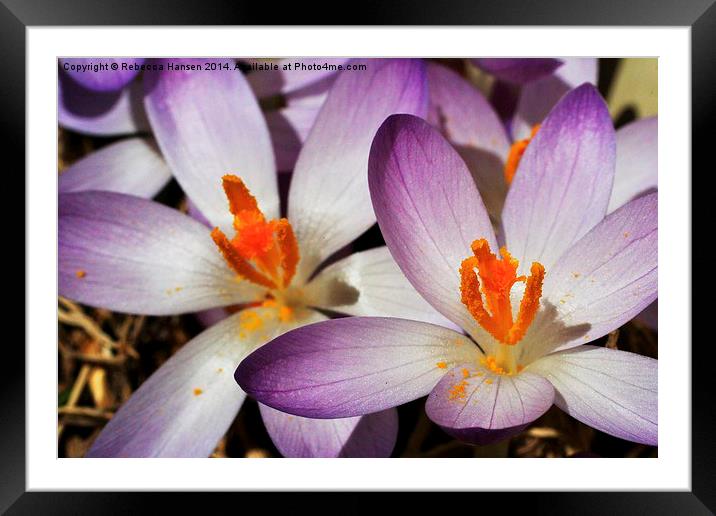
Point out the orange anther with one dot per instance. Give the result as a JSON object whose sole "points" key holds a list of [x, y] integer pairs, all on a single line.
{"points": [[240, 199], [529, 304], [288, 245]]}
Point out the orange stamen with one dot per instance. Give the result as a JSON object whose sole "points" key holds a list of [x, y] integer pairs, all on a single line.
{"points": [[263, 252], [240, 199], [493, 282], [289, 250], [240, 265], [254, 236], [515, 155], [529, 304]]}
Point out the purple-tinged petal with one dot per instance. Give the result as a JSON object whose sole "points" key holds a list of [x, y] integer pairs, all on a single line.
{"points": [[289, 128], [469, 123], [106, 79], [637, 168], [132, 166], [303, 73], [100, 113], [650, 316], [480, 407], [578, 70], [194, 213], [212, 316], [352, 366], [429, 211], [539, 97], [612, 391], [329, 201], [370, 436], [133, 255], [601, 282], [563, 183], [370, 283], [209, 124], [185, 407], [518, 70]]}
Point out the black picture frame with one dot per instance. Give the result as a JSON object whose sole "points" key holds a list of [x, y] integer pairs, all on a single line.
{"points": [[17, 15]]}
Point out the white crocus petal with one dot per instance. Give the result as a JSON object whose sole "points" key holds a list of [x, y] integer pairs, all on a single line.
{"points": [[329, 202], [132, 166], [563, 182], [207, 125], [636, 167], [370, 283], [289, 128], [612, 391], [478, 406], [134, 255], [185, 407], [601, 282]]}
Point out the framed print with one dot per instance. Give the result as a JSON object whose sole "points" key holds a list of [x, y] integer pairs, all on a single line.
{"points": [[387, 257]]}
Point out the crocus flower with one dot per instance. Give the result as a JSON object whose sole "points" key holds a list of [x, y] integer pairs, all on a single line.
{"points": [[110, 103], [133, 255], [492, 155], [567, 273]]}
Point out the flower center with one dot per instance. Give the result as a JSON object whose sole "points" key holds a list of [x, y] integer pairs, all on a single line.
{"points": [[486, 294], [515, 155], [262, 252]]}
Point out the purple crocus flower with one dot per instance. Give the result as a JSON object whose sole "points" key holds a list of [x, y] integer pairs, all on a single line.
{"points": [[133, 255], [567, 273], [109, 103], [475, 129]]}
